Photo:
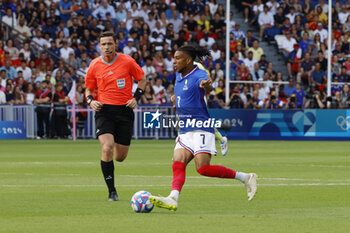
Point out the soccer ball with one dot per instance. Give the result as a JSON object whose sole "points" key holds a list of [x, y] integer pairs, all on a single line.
{"points": [[140, 202]]}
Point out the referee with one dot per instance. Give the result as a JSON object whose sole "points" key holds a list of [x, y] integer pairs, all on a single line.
{"points": [[112, 75]]}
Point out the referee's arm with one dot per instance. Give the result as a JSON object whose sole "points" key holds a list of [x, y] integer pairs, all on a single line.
{"points": [[94, 104], [137, 95]]}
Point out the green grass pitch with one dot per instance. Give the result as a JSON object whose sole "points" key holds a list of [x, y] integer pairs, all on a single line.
{"points": [[56, 186]]}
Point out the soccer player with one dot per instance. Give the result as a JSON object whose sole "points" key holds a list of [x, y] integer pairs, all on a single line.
{"points": [[218, 136], [112, 75], [195, 142]]}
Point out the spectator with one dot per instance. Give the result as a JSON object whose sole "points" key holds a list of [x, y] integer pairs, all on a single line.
{"points": [[258, 7], [83, 69], [22, 28], [322, 32], [322, 60], [318, 77], [256, 50], [216, 75], [11, 72], [66, 9], [290, 88], [288, 45], [291, 15], [148, 97], [248, 41], [273, 102], [295, 58], [257, 74], [9, 94], [129, 49], [215, 52], [159, 91], [217, 24], [206, 41], [315, 99], [235, 101], [169, 62], [148, 68], [158, 62], [254, 102], [265, 20], [250, 61], [65, 51], [10, 18], [2, 96], [12, 51], [299, 96], [176, 21], [214, 102], [247, 6], [18, 97], [263, 63], [323, 6], [343, 15], [26, 71], [238, 34], [60, 110], [345, 96]]}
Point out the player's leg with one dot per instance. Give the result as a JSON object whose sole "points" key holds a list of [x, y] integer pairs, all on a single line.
{"points": [[107, 165], [203, 148], [223, 142], [180, 160], [204, 168]]}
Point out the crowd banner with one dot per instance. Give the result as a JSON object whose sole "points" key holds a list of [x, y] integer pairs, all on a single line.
{"points": [[12, 130]]}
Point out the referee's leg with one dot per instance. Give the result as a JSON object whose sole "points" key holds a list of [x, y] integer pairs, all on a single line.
{"points": [[120, 152], [107, 166]]}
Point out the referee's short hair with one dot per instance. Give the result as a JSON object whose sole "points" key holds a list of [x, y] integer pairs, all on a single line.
{"points": [[107, 34]]}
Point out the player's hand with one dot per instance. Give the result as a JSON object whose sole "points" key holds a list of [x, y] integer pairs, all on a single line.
{"points": [[173, 100], [206, 84], [131, 103], [96, 105]]}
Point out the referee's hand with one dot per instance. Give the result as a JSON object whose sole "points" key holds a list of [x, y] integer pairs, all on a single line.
{"points": [[96, 105], [131, 103]]}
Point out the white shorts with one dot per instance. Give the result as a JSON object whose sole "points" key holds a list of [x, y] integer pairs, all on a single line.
{"points": [[198, 141]]}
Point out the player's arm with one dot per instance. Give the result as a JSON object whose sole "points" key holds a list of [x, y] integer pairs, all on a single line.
{"points": [[94, 104], [206, 84], [173, 100]]}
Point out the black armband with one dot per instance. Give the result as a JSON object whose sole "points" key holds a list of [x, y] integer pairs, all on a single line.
{"points": [[138, 93], [89, 98]]}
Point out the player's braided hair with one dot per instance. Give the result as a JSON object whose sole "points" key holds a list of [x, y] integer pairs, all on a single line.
{"points": [[195, 52]]}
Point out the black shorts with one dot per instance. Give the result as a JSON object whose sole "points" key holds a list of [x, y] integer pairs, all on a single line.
{"points": [[116, 120]]}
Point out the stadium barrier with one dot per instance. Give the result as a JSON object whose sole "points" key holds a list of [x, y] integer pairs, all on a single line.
{"points": [[307, 124]]}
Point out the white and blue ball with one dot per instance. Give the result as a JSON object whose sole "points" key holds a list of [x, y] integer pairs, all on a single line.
{"points": [[140, 202]]}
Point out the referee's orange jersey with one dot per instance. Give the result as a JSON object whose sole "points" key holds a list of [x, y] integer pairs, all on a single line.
{"points": [[113, 80]]}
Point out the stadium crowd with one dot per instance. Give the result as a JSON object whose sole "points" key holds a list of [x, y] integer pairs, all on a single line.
{"points": [[51, 43]]}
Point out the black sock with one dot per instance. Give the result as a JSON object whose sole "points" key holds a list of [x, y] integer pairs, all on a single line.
{"points": [[108, 173]]}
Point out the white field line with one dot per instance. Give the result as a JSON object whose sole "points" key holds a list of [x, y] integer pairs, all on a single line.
{"points": [[168, 185], [188, 177], [76, 163]]}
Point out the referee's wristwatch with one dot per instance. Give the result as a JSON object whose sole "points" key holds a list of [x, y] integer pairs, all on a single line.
{"points": [[89, 99]]}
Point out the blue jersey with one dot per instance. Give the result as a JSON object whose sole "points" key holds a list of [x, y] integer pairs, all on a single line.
{"points": [[190, 105]]}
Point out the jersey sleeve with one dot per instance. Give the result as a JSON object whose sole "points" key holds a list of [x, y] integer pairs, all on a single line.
{"points": [[90, 79], [202, 75], [135, 70]]}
